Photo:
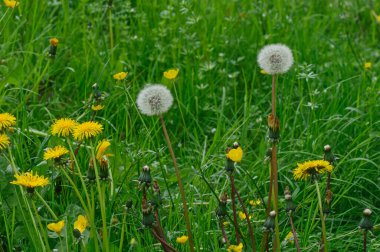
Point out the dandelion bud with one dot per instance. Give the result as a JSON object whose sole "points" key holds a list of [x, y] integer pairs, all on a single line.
{"points": [[53, 47], [329, 156], [366, 222], [269, 223], [274, 129], [275, 59], [154, 99], [236, 145], [221, 210], [327, 203], [145, 179], [290, 206], [129, 204], [148, 217], [91, 176]]}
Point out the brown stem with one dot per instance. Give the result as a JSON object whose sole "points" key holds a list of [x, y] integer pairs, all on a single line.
{"points": [[160, 230], [264, 242], [164, 244], [182, 192], [270, 192], [250, 229], [224, 232], [233, 190], [365, 241], [294, 232]]}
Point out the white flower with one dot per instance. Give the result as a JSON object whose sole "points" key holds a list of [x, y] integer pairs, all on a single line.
{"points": [[275, 59], [154, 99]]}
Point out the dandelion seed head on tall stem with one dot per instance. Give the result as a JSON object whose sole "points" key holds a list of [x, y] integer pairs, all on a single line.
{"points": [[154, 99], [275, 59]]}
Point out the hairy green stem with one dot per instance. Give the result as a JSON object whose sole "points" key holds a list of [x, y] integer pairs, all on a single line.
{"points": [[321, 216]]}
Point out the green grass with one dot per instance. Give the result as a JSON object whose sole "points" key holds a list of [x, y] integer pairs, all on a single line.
{"points": [[220, 97]]}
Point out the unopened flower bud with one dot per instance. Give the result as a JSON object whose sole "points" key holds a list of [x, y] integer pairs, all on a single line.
{"points": [[274, 129], [366, 222], [269, 223]]}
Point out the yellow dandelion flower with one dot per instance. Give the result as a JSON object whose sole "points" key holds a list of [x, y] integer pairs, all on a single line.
{"points": [[367, 65], [101, 148], [63, 127], [81, 224], [235, 248], [87, 130], [30, 181], [255, 202], [308, 168], [226, 223], [56, 227], [171, 74], [6, 120], [55, 153], [54, 41], [242, 215], [4, 141], [235, 154], [262, 71], [182, 239], [289, 237], [11, 3], [120, 76], [97, 107]]}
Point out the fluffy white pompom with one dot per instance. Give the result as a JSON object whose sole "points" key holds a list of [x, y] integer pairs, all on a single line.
{"points": [[154, 99], [275, 59]]}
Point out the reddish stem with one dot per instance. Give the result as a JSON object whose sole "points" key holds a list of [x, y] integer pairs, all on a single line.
{"points": [[224, 232], [164, 244], [233, 190], [294, 233]]}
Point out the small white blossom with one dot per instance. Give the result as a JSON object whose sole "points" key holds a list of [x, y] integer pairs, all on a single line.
{"points": [[154, 99], [275, 59]]}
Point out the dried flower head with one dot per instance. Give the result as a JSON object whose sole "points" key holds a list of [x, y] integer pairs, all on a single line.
{"points": [[6, 120], [275, 59], [63, 127], [11, 3], [171, 74], [154, 99], [55, 153], [4, 141], [311, 168], [30, 181], [87, 130], [120, 76], [56, 226]]}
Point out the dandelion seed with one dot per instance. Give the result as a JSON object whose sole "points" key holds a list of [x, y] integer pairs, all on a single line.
{"points": [[63, 127], [275, 59], [367, 65], [56, 227], [11, 3], [30, 181], [80, 226], [55, 153], [97, 107], [235, 248], [182, 239], [311, 168], [154, 99], [6, 120], [4, 141], [171, 74], [120, 76], [87, 130]]}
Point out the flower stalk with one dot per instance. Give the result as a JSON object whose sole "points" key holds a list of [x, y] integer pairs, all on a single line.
{"points": [[324, 244]]}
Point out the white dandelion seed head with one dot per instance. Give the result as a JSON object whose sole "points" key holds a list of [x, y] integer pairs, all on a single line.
{"points": [[327, 147], [367, 212], [275, 59], [272, 213], [154, 99]]}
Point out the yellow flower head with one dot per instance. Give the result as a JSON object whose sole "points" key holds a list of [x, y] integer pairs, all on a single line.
{"points": [[308, 168], [235, 154], [30, 181], [11, 3], [6, 120], [81, 224], [182, 239], [235, 248], [63, 127], [367, 65], [378, 18], [101, 148], [97, 107], [87, 130], [262, 71], [255, 202], [56, 227], [171, 74], [55, 153], [242, 215], [120, 76], [133, 242], [54, 42], [289, 237], [4, 141], [226, 223]]}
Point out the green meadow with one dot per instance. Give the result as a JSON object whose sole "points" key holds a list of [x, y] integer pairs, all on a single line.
{"points": [[330, 96]]}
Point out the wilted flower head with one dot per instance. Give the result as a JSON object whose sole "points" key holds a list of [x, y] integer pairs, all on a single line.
{"points": [[154, 99], [275, 59]]}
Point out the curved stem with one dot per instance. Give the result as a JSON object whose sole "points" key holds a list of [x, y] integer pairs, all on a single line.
{"points": [[294, 232], [46, 205], [182, 191], [233, 190], [322, 217], [224, 232], [164, 243]]}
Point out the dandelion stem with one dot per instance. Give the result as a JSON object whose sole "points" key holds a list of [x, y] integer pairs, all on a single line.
{"points": [[365, 241], [42, 231], [183, 197], [164, 243], [294, 232], [234, 208], [46, 205], [122, 232], [159, 227], [250, 229], [224, 232], [324, 244]]}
